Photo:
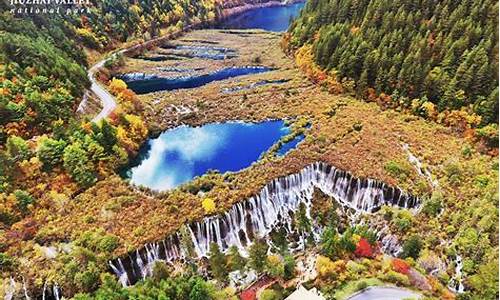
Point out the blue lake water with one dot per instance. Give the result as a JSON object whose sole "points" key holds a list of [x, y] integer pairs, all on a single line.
{"points": [[275, 18], [180, 154], [154, 58], [155, 83], [290, 145]]}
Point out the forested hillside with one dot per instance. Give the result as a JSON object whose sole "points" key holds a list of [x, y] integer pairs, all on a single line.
{"points": [[436, 58], [43, 61], [111, 21], [68, 221], [41, 57]]}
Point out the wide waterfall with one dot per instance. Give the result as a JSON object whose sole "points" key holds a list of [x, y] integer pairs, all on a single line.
{"points": [[257, 216]]}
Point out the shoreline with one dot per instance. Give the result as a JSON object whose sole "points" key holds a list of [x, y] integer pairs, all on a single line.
{"points": [[241, 9], [108, 101]]}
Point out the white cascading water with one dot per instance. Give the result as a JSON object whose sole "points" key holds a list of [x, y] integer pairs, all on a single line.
{"points": [[25, 289], [421, 170], [53, 293], [44, 290], [456, 284], [257, 216], [10, 290], [83, 104]]}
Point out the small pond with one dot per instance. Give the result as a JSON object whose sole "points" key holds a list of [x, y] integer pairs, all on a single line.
{"points": [[275, 18], [180, 154], [154, 83]]}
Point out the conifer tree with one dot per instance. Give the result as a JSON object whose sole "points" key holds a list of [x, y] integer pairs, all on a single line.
{"points": [[217, 263]]}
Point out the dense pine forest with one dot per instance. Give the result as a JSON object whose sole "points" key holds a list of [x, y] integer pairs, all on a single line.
{"points": [[437, 58]]}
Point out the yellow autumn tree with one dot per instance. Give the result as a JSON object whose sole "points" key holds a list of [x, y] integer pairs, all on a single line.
{"points": [[131, 134], [327, 268], [430, 110], [137, 128], [117, 86], [208, 205]]}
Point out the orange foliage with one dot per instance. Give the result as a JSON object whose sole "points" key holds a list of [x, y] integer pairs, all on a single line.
{"points": [[400, 266], [87, 126], [16, 128], [461, 120], [4, 91], [431, 40], [84, 21], [126, 95], [384, 100], [305, 61]]}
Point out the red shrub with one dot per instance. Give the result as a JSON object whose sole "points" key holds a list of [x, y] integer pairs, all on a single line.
{"points": [[363, 248], [248, 295], [400, 266]]}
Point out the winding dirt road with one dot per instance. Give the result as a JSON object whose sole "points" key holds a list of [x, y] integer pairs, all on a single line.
{"points": [[107, 100]]}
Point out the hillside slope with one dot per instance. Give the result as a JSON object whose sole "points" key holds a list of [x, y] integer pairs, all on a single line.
{"points": [[429, 56]]}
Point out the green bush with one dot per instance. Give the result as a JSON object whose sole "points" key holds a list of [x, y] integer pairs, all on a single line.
{"points": [[88, 279], [403, 220], [6, 261], [199, 291], [97, 240], [453, 172], [257, 255], [489, 134], [485, 282], [481, 181], [50, 153], [24, 199], [354, 267], [467, 151], [412, 247], [289, 271], [398, 170], [433, 206], [108, 243], [467, 240], [361, 285], [270, 295], [275, 266], [160, 271], [395, 277]]}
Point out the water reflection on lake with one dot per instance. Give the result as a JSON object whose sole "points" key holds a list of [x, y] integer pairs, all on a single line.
{"points": [[180, 154], [276, 18], [153, 83]]}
